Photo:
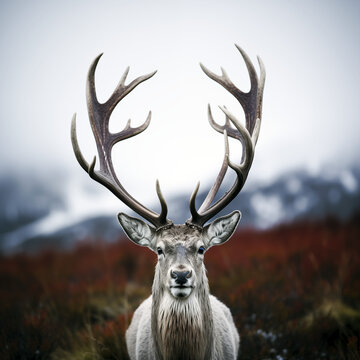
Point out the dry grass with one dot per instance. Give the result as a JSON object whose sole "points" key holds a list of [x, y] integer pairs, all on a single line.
{"points": [[294, 292]]}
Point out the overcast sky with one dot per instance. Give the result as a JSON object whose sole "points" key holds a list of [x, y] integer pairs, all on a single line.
{"points": [[311, 111]]}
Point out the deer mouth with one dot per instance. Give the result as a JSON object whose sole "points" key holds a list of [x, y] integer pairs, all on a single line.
{"points": [[181, 291]]}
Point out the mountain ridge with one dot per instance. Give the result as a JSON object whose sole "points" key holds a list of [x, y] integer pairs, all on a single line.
{"points": [[43, 220]]}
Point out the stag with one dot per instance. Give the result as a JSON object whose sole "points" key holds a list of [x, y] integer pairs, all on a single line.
{"points": [[180, 320]]}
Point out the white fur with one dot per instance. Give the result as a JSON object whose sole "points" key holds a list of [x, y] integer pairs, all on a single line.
{"points": [[139, 338], [181, 321]]}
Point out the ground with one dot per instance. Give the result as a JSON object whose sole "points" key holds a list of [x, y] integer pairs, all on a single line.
{"points": [[294, 292]]}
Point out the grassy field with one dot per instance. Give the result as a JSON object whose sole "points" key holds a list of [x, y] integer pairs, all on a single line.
{"points": [[294, 292]]}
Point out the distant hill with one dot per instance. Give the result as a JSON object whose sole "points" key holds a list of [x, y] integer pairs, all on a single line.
{"points": [[294, 196], [29, 208]]}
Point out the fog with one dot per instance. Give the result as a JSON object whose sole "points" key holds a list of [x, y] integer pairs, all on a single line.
{"points": [[311, 52]]}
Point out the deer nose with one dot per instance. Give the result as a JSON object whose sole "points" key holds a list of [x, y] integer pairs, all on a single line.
{"points": [[180, 276]]}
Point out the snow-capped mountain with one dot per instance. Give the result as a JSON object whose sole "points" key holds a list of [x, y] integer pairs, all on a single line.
{"points": [[37, 214]]}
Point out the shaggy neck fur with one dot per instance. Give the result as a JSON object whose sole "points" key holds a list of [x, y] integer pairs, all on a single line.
{"points": [[182, 329]]}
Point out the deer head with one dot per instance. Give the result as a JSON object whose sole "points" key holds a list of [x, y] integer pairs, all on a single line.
{"points": [[180, 248]]}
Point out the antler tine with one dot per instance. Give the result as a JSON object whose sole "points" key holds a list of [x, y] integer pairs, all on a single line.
{"points": [[248, 152], [249, 100], [119, 93], [195, 217], [215, 188], [99, 116], [206, 212], [129, 131], [90, 84], [260, 88], [122, 90], [252, 72], [79, 156], [251, 103], [220, 128]]}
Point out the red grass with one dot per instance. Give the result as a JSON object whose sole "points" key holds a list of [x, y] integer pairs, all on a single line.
{"points": [[276, 282]]}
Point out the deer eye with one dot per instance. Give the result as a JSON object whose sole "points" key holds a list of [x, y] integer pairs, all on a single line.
{"points": [[201, 250], [159, 251]]}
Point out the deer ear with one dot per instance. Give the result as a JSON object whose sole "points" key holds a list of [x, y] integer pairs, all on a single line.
{"points": [[221, 229], [137, 230]]}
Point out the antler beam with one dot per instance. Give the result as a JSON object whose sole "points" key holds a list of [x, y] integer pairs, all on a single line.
{"points": [[99, 116], [251, 103]]}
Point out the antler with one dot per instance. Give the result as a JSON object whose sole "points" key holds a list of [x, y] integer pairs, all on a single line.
{"points": [[251, 103], [99, 116]]}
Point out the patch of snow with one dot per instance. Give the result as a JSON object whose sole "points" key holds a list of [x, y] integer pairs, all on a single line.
{"points": [[348, 181], [269, 210], [80, 205], [293, 186], [266, 335], [302, 203]]}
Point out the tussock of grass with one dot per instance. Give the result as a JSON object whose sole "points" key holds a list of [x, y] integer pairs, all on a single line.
{"points": [[334, 309]]}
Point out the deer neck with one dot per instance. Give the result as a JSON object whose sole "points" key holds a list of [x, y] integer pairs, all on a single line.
{"points": [[182, 329]]}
